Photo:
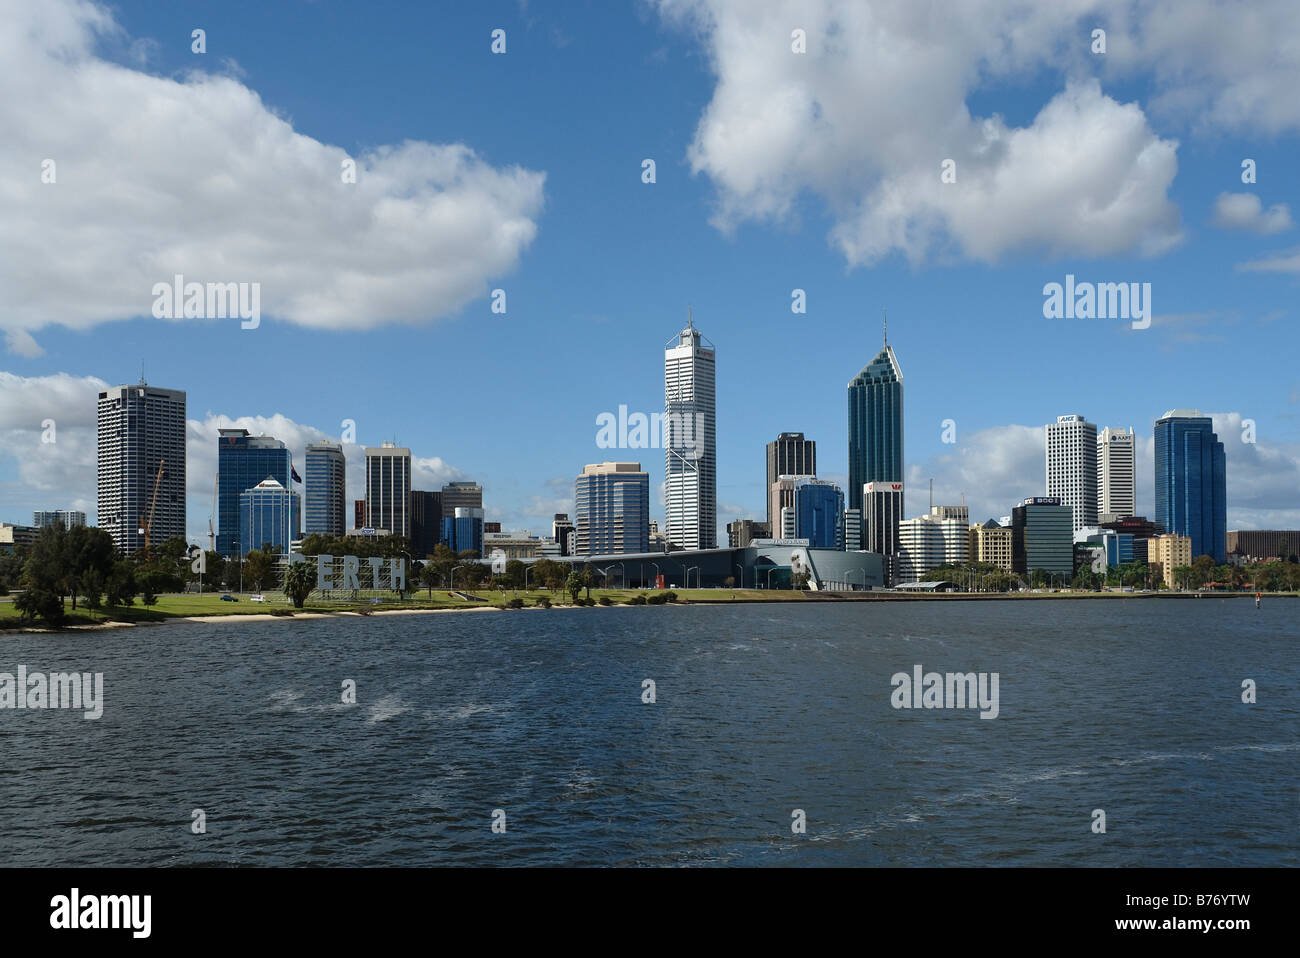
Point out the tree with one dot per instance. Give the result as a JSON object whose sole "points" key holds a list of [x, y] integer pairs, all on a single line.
{"points": [[587, 578], [121, 586], [258, 568], [87, 556], [573, 585], [1202, 570], [1183, 574], [299, 580], [513, 576]]}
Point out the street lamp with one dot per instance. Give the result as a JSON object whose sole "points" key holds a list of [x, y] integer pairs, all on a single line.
{"points": [[656, 565], [239, 553], [769, 576], [696, 570], [463, 565]]}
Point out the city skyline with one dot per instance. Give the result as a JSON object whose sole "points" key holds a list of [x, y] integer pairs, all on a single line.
{"points": [[1217, 251]]}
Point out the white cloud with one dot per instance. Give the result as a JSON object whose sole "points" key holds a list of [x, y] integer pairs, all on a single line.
{"points": [[21, 343], [1287, 261], [156, 176], [1244, 211], [865, 118]]}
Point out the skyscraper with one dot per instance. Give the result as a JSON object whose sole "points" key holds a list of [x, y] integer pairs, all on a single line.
{"points": [[264, 511], [388, 489], [876, 453], [1071, 455], [1191, 482], [460, 495], [67, 518], [612, 509], [1116, 475], [790, 454], [242, 462], [819, 513], [326, 489], [140, 428], [690, 453], [426, 522], [875, 426]]}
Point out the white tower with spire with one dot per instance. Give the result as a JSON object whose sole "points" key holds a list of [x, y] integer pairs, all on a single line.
{"points": [[690, 441]]}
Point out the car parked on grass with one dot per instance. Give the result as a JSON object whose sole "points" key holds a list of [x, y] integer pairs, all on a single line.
{"points": [[227, 597]]}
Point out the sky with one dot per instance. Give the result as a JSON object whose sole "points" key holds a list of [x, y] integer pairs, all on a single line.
{"points": [[944, 162]]}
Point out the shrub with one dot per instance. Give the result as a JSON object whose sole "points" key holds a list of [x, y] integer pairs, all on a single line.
{"points": [[658, 598], [543, 602], [515, 603], [670, 596], [604, 600], [636, 600]]}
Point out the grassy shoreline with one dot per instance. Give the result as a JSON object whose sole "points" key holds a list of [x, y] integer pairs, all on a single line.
{"points": [[208, 608]]}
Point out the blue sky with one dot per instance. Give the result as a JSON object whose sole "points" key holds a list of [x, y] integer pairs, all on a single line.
{"points": [[1111, 167]]}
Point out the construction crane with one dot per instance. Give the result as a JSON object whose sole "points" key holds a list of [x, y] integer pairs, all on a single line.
{"points": [[153, 504], [212, 535]]}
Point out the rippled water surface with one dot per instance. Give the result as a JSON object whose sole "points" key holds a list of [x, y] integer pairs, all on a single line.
{"points": [[1133, 707]]}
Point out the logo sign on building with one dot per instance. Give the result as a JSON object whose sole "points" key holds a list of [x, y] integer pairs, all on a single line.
{"points": [[1043, 501]]}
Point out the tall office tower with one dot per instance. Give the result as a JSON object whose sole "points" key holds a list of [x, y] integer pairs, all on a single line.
{"points": [[266, 511], [242, 462], [1072, 467], [819, 513], [140, 428], [58, 517], [691, 449], [426, 522], [876, 449], [882, 511], [611, 503], [1191, 482], [1116, 475], [562, 532], [460, 495], [388, 489], [789, 455], [326, 489]]}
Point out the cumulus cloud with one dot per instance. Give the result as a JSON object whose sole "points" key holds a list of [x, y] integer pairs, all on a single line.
{"points": [[154, 176], [1244, 211], [865, 119], [1287, 261]]}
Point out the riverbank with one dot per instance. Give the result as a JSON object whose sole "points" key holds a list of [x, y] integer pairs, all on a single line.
{"points": [[211, 609]]}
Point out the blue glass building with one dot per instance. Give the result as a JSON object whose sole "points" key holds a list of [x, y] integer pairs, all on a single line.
{"points": [[819, 513], [464, 530], [875, 425], [263, 513], [242, 462], [1191, 482]]}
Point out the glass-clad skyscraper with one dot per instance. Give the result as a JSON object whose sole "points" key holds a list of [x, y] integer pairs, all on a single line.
{"points": [[266, 511], [141, 429], [1191, 482], [875, 425], [242, 462], [819, 513]]}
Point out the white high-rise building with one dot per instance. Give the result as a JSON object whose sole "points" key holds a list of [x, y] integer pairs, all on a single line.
{"points": [[690, 441], [1072, 467], [1116, 475], [929, 541], [141, 428]]}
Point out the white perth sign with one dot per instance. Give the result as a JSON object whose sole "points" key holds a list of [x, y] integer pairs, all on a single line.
{"points": [[330, 568]]}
